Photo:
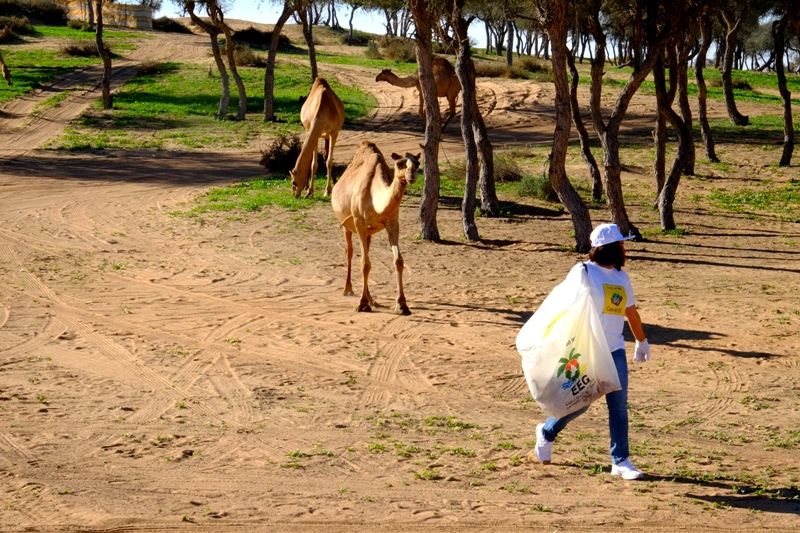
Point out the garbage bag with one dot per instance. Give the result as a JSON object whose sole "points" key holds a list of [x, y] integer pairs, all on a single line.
{"points": [[565, 355]]}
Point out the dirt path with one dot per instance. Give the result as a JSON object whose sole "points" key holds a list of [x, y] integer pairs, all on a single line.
{"points": [[162, 373]]}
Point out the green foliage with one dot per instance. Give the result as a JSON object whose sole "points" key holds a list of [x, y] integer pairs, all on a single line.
{"points": [[396, 49], [33, 68], [537, 186], [167, 24], [39, 11], [259, 39]]}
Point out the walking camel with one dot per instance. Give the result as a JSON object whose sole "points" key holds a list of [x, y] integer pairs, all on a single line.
{"points": [[365, 200], [322, 116], [444, 76]]}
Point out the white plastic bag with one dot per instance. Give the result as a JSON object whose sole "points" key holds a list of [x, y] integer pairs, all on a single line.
{"points": [[565, 355]]}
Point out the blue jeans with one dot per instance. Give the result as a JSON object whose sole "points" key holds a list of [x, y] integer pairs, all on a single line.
{"points": [[617, 413]]}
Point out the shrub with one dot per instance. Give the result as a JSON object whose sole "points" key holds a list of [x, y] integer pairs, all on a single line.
{"points": [[736, 83], [359, 38], [506, 170], [281, 155], [372, 51], [19, 25], [255, 38], [537, 187], [532, 65], [41, 11], [81, 49], [167, 24], [488, 69], [81, 25], [397, 49], [245, 57]]}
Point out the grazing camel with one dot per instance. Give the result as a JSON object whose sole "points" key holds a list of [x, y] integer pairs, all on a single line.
{"points": [[322, 116], [444, 76], [365, 200]]}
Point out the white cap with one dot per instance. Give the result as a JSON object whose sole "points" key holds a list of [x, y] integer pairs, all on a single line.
{"points": [[606, 234]]}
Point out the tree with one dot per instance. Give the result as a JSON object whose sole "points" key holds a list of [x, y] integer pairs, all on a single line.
{"points": [[269, 70], [302, 10], [466, 76], [706, 38], [555, 16], [643, 15], [218, 19], [213, 32], [733, 15], [787, 14], [420, 11], [105, 82]]}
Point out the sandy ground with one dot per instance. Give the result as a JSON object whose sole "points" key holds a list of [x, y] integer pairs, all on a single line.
{"points": [[162, 373]]}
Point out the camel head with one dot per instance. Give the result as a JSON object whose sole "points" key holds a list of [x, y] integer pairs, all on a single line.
{"points": [[297, 187], [384, 75], [406, 166]]}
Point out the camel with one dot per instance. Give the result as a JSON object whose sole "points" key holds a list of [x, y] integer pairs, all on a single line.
{"points": [[5, 32], [444, 75], [322, 116], [365, 200]]}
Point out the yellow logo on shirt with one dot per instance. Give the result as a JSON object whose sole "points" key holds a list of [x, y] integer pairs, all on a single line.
{"points": [[615, 299]]}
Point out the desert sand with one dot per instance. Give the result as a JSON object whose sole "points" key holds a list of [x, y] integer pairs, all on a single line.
{"points": [[163, 373]]}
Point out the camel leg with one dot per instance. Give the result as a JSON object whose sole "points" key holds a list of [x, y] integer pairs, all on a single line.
{"points": [[310, 192], [348, 239], [451, 101], [393, 231], [330, 141], [366, 299]]}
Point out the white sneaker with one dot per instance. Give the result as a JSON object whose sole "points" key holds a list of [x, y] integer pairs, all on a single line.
{"points": [[544, 448], [626, 470]]}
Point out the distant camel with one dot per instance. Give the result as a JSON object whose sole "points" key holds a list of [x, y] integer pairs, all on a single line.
{"points": [[322, 116], [444, 76], [5, 32], [366, 199]]}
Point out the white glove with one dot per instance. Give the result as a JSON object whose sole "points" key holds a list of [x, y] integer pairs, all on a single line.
{"points": [[642, 352]]}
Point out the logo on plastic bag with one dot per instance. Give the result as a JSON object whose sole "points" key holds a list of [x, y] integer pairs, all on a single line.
{"points": [[573, 370]]}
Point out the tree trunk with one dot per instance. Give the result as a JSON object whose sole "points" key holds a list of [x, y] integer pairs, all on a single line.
{"points": [[586, 149], [732, 30], [667, 193], [706, 35], [105, 55], [312, 51], [557, 173], [510, 46], [269, 71], [682, 74], [213, 32], [779, 43], [353, 10], [490, 205], [420, 11], [467, 80], [218, 18]]}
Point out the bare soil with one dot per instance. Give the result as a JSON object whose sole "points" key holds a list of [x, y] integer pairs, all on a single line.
{"points": [[165, 373]]}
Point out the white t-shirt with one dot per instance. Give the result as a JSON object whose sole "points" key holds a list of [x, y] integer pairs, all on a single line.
{"points": [[612, 293]]}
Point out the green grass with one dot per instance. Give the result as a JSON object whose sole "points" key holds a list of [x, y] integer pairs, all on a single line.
{"points": [[770, 199], [31, 68], [253, 195], [174, 106]]}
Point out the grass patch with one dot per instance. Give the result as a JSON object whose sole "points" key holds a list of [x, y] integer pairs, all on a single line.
{"points": [[783, 200], [251, 196], [173, 106]]}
